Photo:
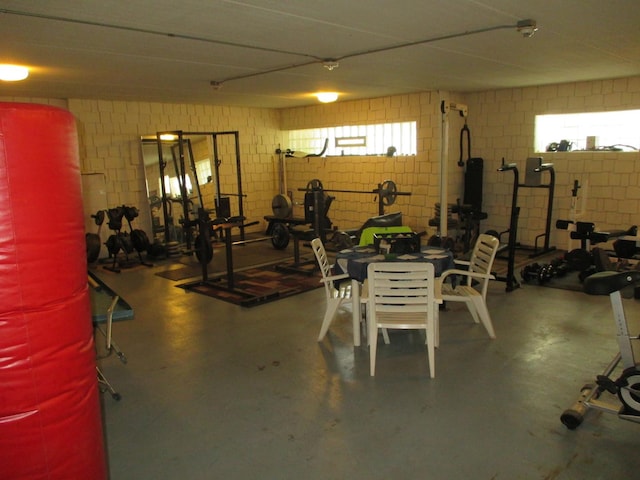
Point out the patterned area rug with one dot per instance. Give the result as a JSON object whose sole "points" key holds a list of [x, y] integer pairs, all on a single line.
{"points": [[257, 286]]}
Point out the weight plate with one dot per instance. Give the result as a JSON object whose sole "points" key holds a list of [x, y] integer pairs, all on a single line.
{"points": [[280, 236], [388, 192], [140, 240], [113, 245], [126, 242], [99, 217], [93, 247], [281, 206], [204, 250]]}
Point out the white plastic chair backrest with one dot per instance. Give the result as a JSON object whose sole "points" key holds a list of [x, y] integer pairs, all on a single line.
{"points": [[325, 266], [402, 287], [482, 257]]}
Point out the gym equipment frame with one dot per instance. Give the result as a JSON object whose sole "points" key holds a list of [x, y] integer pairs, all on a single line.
{"points": [[512, 243], [627, 385], [180, 141]]}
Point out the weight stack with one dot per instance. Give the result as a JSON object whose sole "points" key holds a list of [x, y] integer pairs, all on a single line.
{"points": [[50, 423], [473, 183]]}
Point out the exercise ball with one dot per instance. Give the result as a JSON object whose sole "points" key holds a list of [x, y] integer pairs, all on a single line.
{"points": [[50, 421]]}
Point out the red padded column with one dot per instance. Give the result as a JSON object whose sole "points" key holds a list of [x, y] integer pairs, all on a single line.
{"points": [[50, 422]]}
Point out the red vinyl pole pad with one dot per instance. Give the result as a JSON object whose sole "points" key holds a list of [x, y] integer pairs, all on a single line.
{"points": [[50, 422]]}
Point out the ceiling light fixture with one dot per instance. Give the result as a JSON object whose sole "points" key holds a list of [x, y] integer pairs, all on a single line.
{"points": [[527, 27], [330, 64], [13, 73], [327, 97]]}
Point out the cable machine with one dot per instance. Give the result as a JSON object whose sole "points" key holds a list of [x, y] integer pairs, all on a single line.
{"points": [[445, 108]]}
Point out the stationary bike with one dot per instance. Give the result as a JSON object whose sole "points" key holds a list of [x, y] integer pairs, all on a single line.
{"points": [[627, 386]]}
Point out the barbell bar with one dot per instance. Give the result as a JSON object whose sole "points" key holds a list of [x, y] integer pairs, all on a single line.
{"points": [[387, 190]]}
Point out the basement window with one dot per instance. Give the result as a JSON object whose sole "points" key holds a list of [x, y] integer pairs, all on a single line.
{"points": [[599, 131], [380, 139]]}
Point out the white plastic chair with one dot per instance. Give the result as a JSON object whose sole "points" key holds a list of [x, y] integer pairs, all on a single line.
{"points": [[402, 295], [337, 288], [479, 270]]}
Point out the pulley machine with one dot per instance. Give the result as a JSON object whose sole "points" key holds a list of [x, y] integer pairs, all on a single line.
{"points": [[445, 108]]}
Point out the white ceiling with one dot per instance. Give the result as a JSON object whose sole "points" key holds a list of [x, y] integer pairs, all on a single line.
{"points": [[153, 50]]}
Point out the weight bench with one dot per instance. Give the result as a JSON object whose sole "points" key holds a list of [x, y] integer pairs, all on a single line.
{"points": [[386, 220], [316, 223]]}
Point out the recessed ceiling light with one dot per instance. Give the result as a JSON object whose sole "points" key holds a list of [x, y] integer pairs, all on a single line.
{"points": [[13, 73], [327, 97]]}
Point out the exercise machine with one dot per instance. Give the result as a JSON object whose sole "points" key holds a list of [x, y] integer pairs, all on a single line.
{"points": [[535, 167], [510, 279], [602, 394], [191, 199]]}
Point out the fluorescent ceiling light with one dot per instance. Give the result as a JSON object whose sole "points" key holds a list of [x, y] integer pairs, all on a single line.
{"points": [[13, 73], [327, 97]]}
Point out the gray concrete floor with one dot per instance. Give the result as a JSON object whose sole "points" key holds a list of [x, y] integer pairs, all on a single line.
{"points": [[216, 391]]}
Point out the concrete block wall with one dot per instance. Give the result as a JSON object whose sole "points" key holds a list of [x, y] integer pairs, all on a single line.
{"points": [[503, 122], [110, 134], [418, 174]]}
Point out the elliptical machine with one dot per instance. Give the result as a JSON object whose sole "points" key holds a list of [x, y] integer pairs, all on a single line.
{"points": [[627, 386]]}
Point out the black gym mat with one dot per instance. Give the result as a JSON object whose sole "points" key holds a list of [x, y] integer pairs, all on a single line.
{"points": [[256, 286], [244, 256]]}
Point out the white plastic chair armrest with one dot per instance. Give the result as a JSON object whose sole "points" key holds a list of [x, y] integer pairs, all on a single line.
{"points": [[462, 262], [465, 273], [333, 278]]}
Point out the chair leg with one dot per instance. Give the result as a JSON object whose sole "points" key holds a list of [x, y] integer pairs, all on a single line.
{"points": [[483, 313], [472, 303], [373, 344], [385, 336], [332, 308], [431, 352]]}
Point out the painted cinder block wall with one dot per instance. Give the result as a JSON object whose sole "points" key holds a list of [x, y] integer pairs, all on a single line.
{"points": [[501, 122], [417, 174]]}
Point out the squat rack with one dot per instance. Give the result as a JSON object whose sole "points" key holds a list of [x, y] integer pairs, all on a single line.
{"points": [[178, 137]]}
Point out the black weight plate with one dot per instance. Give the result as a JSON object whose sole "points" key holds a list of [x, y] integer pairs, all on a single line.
{"points": [[204, 250], [99, 217], [126, 242], [280, 236], [93, 247], [140, 240], [113, 245], [388, 192]]}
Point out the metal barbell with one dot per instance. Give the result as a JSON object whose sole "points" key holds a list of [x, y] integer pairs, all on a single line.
{"points": [[387, 190]]}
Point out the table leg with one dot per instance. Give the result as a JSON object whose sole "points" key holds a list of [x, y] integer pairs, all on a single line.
{"points": [[355, 308]]}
